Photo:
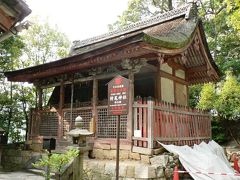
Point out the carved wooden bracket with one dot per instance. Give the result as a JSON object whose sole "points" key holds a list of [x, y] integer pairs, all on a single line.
{"points": [[95, 71], [161, 59], [184, 57], [133, 64], [196, 43]]}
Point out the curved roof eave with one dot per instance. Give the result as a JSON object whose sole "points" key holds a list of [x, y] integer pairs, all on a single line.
{"points": [[176, 38]]}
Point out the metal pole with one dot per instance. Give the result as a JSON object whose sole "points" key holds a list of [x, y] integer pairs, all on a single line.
{"points": [[117, 150], [48, 173]]}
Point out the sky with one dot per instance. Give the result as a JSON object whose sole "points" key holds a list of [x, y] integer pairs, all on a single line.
{"points": [[78, 19]]}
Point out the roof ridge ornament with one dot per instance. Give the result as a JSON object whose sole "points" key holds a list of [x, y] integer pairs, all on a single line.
{"points": [[192, 11]]}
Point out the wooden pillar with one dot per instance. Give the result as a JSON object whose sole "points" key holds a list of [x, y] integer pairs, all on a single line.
{"points": [[60, 110], [94, 106], [150, 124], [36, 123], [71, 108], [174, 87], [40, 99], [130, 111], [158, 84]]}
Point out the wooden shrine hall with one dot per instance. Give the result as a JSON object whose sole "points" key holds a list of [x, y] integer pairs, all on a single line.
{"points": [[161, 56]]}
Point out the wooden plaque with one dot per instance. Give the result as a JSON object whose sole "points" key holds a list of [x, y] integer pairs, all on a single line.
{"points": [[118, 96]]}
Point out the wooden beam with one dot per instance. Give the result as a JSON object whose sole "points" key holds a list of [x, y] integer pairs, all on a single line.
{"points": [[175, 65], [197, 69], [89, 78], [6, 21], [79, 62], [169, 76]]}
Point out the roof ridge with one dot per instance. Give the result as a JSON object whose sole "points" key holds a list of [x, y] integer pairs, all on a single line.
{"points": [[133, 27]]}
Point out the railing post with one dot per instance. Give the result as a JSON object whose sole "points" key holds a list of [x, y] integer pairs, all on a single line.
{"points": [[150, 124]]}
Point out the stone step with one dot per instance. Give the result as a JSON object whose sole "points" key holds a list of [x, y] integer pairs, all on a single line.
{"points": [[64, 143], [127, 169]]}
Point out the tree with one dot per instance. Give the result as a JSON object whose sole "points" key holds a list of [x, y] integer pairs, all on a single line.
{"points": [[10, 118], [140, 9], [223, 100], [39, 44], [233, 9], [207, 97], [43, 43]]}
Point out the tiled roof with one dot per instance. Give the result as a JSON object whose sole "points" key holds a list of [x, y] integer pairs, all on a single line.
{"points": [[135, 26]]}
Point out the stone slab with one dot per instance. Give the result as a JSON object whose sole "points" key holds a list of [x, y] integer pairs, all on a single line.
{"points": [[122, 146], [161, 160], [101, 145], [145, 159], [144, 171], [140, 150], [134, 156]]}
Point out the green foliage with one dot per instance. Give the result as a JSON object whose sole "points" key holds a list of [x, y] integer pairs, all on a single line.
{"points": [[225, 99], [233, 9], [227, 104], [222, 35], [219, 133], [141, 9], [39, 44], [43, 43], [56, 162], [194, 95], [207, 97], [10, 119]]}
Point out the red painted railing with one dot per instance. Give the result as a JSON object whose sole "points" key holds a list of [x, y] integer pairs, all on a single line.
{"points": [[169, 123]]}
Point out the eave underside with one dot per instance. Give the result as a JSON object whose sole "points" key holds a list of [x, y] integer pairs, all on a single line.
{"points": [[12, 12], [193, 57]]}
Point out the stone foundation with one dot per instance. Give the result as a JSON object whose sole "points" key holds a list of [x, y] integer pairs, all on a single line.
{"points": [[13, 159], [133, 165]]}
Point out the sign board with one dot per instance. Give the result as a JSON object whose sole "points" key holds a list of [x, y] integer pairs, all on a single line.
{"points": [[118, 92]]}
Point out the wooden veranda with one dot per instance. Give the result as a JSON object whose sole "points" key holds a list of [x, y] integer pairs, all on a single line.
{"points": [[156, 120]]}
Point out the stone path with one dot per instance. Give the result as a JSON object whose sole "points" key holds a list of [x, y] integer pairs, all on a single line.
{"points": [[20, 175]]}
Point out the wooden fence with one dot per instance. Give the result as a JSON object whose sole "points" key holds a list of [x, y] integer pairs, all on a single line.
{"points": [[169, 124], [53, 123], [43, 123]]}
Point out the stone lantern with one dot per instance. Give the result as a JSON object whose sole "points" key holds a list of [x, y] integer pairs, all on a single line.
{"points": [[79, 134], [79, 137]]}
